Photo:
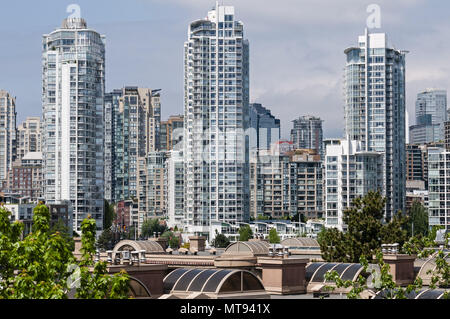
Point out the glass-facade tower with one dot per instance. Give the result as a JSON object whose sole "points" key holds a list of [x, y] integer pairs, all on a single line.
{"points": [[375, 109], [73, 86], [8, 133], [132, 121], [216, 116], [431, 114], [307, 133]]}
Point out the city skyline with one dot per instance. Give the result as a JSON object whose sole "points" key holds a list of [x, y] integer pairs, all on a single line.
{"points": [[269, 157], [295, 43]]}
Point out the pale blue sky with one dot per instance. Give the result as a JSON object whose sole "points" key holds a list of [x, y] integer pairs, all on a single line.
{"points": [[296, 48]]}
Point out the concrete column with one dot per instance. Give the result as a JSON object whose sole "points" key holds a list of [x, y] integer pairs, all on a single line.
{"points": [[283, 275], [197, 243], [401, 268]]}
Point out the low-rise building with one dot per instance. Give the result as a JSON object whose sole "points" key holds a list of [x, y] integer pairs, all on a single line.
{"points": [[126, 215], [22, 212], [25, 177]]}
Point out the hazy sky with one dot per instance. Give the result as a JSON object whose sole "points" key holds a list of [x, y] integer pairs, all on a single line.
{"points": [[296, 48]]}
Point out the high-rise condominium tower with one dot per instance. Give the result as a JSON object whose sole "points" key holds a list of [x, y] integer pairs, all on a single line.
{"points": [[8, 133], [171, 133], [375, 109], [264, 127], [73, 72], [216, 116], [132, 119], [307, 133], [29, 137], [431, 114]]}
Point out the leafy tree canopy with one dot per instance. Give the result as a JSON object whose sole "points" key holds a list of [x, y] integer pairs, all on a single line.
{"points": [[221, 241], [105, 241], [418, 222], [174, 241], [245, 233], [365, 231], [42, 265], [108, 215], [152, 226], [273, 236]]}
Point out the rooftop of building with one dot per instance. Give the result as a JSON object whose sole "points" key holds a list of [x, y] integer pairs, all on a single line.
{"points": [[239, 271], [33, 156]]}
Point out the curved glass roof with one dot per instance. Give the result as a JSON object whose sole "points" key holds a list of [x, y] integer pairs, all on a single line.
{"points": [[150, 247], [301, 242], [352, 272], [311, 269], [320, 273], [211, 281], [431, 294], [315, 272], [428, 265], [421, 294], [256, 248], [137, 289]]}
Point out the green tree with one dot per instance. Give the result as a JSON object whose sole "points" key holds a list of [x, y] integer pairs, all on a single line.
{"points": [[273, 236], [365, 231], [42, 265], [65, 232], [105, 240], [381, 281], [434, 229], [151, 226], [419, 245], [95, 282], [221, 241], [332, 244], [396, 230], [418, 222], [245, 233], [108, 215], [40, 260], [174, 241], [424, 247]]}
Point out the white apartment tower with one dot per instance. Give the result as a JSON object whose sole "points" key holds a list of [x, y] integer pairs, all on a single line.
{"points": [[375, 109], [350, 172], [439, 187], [73, 70], [8, 133], [216, 116]]}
